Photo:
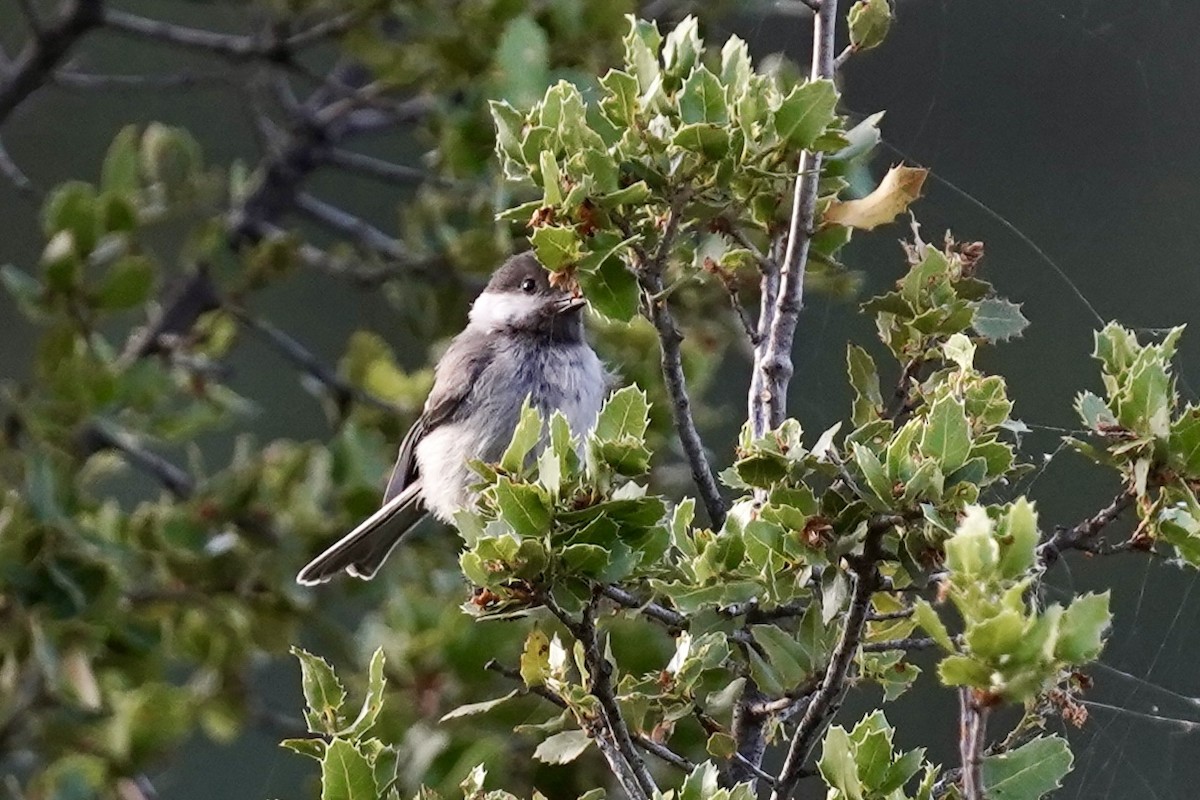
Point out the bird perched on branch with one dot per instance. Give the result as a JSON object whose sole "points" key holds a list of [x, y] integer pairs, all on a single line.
{"points": [[524, 339]]}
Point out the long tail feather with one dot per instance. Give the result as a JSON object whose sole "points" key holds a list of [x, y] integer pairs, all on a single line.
{"points": [[364, 549]]}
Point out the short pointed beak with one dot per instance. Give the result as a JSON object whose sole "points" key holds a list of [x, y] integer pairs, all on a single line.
{"points": [[569, 304]]}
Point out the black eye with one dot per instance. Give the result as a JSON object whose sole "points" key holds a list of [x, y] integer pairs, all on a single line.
{"points": [[529, 286]]}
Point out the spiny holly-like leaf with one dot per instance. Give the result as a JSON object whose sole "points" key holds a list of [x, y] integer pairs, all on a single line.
{"points": [[626, 413], [562, 748], [838, 766], [611, 289], [703, 99], [704, 138], [996, 319], [525, 437], [1029, 772], [523, 507], [535, 658], [1184, 442], [557, 246], [323, 692], [864, 378], [373, 703], [925, 616], [869, 22], [947, 437], [1081, 635], [806, 113], [346, 774], [891, 198]]}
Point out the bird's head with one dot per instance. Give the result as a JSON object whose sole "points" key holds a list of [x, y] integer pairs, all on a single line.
{"points": [[521, 299]]}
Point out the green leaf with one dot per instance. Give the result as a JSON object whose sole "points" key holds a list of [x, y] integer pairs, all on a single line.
{"points": [[703, 99], [864, 379], [562, 748], [25, 289], [872, 469], [806, 113], [611, 289], [721, 745], [642, 45], [313, 748], [373, 702], [521, 61], [127, 283], [557, 246], [525, 437], [947, 437], [323, 692], [1031, 771], [1019, 532], [621, 101], [346, 774], [72, 207], [626, 413], [959, 670], [120, 171], [996, 319], [523, 507], [837, 764], [471, 709], [704, 138], [1081, 632], [1184, 443], [869, 22], [925, 616]]}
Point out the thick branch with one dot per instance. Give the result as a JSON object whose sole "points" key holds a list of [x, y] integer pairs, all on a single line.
{"points": [[972, 733], [769, 405], [1078, 536], [824, 702], [911, 643], [46, 48]]}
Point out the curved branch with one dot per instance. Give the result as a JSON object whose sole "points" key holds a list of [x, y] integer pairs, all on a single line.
{"points": [[46, 48]]}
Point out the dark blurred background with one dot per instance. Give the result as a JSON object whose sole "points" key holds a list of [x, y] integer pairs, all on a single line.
{"points": [[1062, 133]]}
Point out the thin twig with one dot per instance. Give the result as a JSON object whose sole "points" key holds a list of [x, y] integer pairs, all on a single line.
{"points": [[672, 619], [823, 704], [972, 735], [99, 436], [70, 79], [1064, 539], [769, 405], [379, 169], [652, 747], [17, 177], [911, 643], [232, 46], [364, 233], [342, 391], [45, 50]]}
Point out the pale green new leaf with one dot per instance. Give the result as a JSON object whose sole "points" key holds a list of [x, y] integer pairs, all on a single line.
{"points": [[837, 764], [947, 437], [562, 748], [996, 319]]}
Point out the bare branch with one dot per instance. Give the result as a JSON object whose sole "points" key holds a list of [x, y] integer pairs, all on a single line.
{"points": [[88, 81], [45, 50], [972, 735], [820, 709], [382, 170], [769, 404], [911, 643], [232, 46], [612, 735], [99, 436], [669, 617], [1077, 537], [649, 745], [343, 222], [17, 177], [343, 392]]}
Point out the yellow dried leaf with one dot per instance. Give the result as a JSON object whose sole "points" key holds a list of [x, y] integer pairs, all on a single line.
{"points": [[900, 187]]}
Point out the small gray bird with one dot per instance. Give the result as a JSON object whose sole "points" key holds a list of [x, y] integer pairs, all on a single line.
{"points": [[524, 338]]}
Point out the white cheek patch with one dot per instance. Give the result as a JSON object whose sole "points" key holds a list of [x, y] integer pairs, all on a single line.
{"points": [[494, 310]]}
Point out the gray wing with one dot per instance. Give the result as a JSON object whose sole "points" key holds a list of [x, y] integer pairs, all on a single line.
{"points": [[456, 373]]}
